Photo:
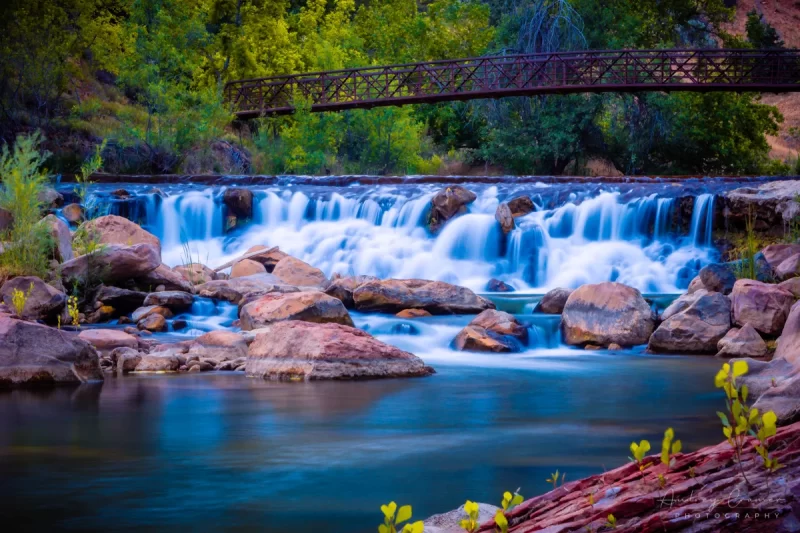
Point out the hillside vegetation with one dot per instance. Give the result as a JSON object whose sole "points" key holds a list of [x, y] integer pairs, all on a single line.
{"points": [[146, 76]]}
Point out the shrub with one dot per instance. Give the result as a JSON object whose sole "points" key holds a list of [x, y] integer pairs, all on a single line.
{"points": [[29, 243], [72, 309], [391, 521], [89, 167], [19, 298]]}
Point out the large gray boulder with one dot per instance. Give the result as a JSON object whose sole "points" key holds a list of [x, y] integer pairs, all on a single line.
{"points": [[112, 264], [742, 342], [34, 354], [606, 313]]}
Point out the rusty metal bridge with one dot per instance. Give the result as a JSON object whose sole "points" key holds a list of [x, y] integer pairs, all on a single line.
{"points": [[700, 70]]}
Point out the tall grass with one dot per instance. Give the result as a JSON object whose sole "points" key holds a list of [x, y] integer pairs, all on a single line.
{"points": [[746, 267], [27, 243]]}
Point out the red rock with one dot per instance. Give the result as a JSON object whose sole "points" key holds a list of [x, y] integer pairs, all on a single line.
{"points": [[43, 301], [696, 328], [342, 288], [247, 267], [788, 268], [704, 491], [448, 203], [62, 238], [436, 297], [293, 271], [195, 273], [307, 306], [553, 302], [113, 229], [521, 206], [164, 277], [742, 342], [112, 264], [607, 313], [174, 300], [775, 254], [504, 218], [413, 313], [106, 340], [293, 350], [762, 305], [269, 259], [492, 331]]}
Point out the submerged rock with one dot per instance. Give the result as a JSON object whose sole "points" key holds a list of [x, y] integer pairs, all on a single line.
{"points": [[553, 302], [239, 201], [762, 305], [306, 306], [43, 302], [73, 213], [293, 271], [436, 297], [295, 350], [447, 204], [695, 329], [413, 313], [34, 354], [606, 313], [495, 285], [742, 342], [521, 206], [112, 229], [492, 331]]}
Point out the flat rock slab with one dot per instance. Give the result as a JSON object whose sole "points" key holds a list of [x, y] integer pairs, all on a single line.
{"points": [[436, 297], [297, 351]]}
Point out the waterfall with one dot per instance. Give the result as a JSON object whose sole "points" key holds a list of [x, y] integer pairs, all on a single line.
{"points": [[592, 235]]}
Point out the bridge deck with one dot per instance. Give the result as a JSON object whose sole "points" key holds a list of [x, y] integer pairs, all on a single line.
{"points": [[700, 70]]}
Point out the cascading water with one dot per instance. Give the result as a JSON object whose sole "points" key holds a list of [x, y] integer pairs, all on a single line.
{"points": [[587, 238]]}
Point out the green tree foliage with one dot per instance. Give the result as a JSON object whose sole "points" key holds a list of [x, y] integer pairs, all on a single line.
{"points": [[761, 34], [27, 242]]}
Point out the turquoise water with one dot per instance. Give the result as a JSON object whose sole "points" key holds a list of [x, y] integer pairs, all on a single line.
{"points": [[221, 451]]}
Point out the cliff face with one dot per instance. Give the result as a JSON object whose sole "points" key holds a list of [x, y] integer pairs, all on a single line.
{"points": [[703, 491], [784, 16]]}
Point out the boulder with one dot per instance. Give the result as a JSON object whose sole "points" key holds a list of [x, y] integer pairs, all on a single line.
{"points": [[448, 203], [173, 300], [792, 285], [113, 229], [195, 273], [703, 490], [436, 297], [775, 254], [34, 354], [450, 522], [125, 359], [788, 268], [50, 198], [107, 340], [43, 301], [293, 271], [495, 285], [297, 350], [73, 213], [762, 305], [219, 346], [234, 290], [343, 287], [553, 302], [239, 202], [521, 206], [413, 313], [697, 328], [163, 275], [504, 218], [492, 331], [788, 347], [152, 322], [247, 267], [112, 264], [158, 362], [123, 300], [774, 204], [606, 313], [144, 312], [742, 342], [269, 259], [62, 238], [714, 278], [307, 306], [683, 302]]}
